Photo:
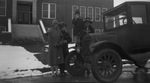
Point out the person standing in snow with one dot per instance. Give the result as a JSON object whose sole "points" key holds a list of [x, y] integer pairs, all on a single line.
{"points": [[55, 47]]}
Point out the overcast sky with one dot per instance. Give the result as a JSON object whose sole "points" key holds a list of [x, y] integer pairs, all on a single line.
{"points": [[117, 2]]}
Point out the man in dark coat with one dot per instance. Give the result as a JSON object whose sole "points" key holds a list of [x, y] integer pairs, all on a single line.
{"points": [[89, 28], [66, 40], [79, 25]]}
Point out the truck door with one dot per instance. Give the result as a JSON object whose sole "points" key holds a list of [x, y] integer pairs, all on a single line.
{"points": [[140, 27]]}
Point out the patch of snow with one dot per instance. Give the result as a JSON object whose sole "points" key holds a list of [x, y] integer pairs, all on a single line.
{"points": [[13, 59], [17, 58]]}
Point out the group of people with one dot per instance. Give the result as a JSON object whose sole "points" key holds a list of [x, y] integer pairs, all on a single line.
{"points": [[59, 38], [81, 25]]}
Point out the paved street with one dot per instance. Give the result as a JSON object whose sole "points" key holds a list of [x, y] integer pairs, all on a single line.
{"points": [[126, 77]]}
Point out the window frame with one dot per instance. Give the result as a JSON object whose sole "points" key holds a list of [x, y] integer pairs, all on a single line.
{"points": [[54, 10], [88, 13], [73, 10], [43, 10], [99, 14], [104, 9], [4, 27], [137, 14], [5, 8], [84, 9], [49, 11], [97, 31]]}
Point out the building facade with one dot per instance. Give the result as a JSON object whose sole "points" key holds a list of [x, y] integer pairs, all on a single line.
{"points": [[16, 16]]}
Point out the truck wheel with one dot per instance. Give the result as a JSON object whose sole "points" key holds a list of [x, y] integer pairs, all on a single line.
{"points": [[75, 64], [106, 65]]}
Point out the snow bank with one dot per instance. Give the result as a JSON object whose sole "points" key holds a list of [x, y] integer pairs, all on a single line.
{"points": [[17, 58], [15, 62]]}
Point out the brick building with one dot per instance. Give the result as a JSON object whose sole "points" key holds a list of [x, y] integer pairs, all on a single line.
{"points": [[30, 18]]}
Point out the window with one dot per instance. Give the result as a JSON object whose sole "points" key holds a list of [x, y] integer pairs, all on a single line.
{"points": [[2, 28], [52, 11], [2, 7], [139, 14], [97, 30], [74, 8], [116, 20], [49, 10], [90, 13], [83, 11], [104, 10], [97, 14]]}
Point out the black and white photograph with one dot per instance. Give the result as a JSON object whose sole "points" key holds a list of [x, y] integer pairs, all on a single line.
{"points": [[74, 41]]}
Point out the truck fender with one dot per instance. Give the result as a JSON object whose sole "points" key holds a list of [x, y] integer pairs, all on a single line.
{"points": [[106, 44]]}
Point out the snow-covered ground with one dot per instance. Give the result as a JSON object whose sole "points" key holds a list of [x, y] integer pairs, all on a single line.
{"points": [[15, 61], [15, 58]]}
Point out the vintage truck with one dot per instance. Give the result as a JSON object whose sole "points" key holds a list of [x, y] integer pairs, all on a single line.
{"points": [[126, 36]]}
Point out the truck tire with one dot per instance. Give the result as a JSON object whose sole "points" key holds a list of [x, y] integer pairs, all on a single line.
{"points": [[106, 65], [75, 64]]}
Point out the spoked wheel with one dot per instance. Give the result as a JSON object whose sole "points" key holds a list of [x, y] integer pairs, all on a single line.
{"points": [[106, 65], [75, 63]]}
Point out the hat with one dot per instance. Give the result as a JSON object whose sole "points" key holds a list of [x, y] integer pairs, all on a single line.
{"points": [[87, 19], [77, 11], [54, 22]]}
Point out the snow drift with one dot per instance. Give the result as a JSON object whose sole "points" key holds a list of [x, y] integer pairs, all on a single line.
{"points": [[13, 59]]}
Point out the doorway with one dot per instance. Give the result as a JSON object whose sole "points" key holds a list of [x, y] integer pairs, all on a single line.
{"points": [[24, 12]]}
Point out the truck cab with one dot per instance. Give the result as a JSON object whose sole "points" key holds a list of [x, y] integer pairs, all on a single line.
{"points": [[126, 36], [130, 22]]}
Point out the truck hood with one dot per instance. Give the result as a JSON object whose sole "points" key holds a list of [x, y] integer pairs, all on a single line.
{"points": [[107, 36]]}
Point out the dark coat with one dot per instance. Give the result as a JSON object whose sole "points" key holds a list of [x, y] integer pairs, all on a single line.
{"points": [[68, 38], [79, 26], [55, 48]]}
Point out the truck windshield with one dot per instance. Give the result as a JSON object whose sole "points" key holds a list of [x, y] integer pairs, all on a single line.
{"points": [[139, 14], [116, 20]]}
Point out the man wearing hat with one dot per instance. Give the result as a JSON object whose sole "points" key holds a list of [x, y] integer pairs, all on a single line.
{"points": [[79, 25], [89, 28]]}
